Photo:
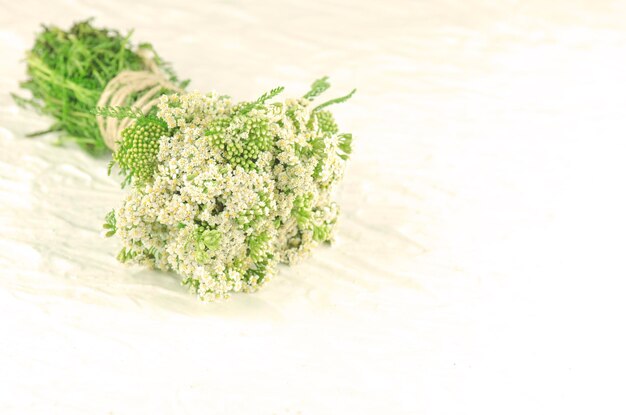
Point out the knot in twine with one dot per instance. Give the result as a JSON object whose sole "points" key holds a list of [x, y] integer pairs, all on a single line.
{"points": [[146, 84]]}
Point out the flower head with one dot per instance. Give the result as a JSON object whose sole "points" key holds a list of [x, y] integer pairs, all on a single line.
{"points": [[222, 192]]}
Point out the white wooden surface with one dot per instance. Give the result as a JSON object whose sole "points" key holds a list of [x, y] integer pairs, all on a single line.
{"points": [[479, 264]]}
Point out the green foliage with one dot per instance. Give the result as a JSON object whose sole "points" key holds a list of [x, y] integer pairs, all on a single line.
{"points": [[258, 245], [302, 210], [192, 283], [126, 255], [314, 148], [206, 240], [326, 122], [335, 101], [345, 145], [321, 233], [110, 224], [257, 273], [210, 239], [68, 70], [139, 148], [317, 88], [261, 100]]}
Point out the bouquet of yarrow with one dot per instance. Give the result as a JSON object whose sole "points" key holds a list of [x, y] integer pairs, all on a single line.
{"points": [[220, 191]]}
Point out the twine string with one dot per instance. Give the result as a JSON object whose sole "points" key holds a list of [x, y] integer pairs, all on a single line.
{"points": [[146, 84]]}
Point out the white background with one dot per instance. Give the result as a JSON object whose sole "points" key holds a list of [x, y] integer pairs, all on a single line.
{"points": [[479, 266]]}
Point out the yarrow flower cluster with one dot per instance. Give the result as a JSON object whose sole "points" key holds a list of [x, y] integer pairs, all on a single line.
{"points": [[222, 192]]}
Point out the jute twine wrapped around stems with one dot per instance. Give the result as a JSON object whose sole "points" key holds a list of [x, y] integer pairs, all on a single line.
{"points": [[148, 86]]}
